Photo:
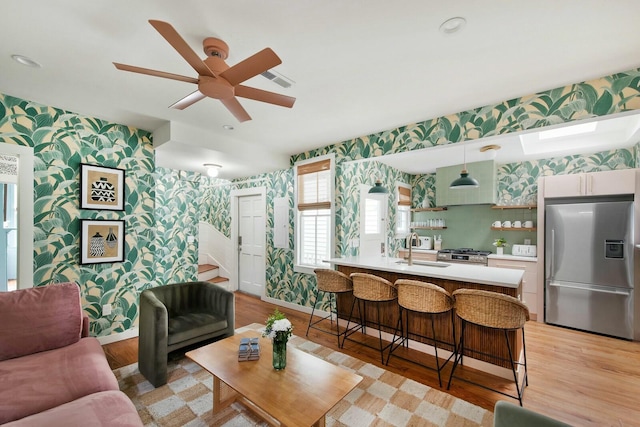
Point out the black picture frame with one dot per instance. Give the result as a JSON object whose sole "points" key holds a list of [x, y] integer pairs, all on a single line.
{"points": [[101, 187], [102, 241]]}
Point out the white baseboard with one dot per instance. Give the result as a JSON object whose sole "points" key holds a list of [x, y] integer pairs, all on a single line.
{"points": [[129, 333], [293, 306]]}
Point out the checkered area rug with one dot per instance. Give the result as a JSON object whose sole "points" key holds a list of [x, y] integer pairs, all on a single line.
{"points": [[381, 399]]}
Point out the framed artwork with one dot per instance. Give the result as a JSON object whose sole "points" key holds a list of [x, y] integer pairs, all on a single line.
{"points": [[101, 188], [101, 241]]}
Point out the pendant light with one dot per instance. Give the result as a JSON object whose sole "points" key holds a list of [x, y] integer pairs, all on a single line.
{"points": [[465, 181], [378, 188]]}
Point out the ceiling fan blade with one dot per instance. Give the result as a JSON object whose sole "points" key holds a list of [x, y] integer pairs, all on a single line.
{"points": [[264, 96], [140, 70], [171, 35], [188, 100], [252, 66], [236, 109]]}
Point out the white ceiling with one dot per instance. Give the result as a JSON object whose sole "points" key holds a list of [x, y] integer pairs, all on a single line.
{"points": [[359, 66]]}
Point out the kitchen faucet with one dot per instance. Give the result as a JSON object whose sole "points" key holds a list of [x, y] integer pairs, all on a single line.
{"points": [[410, 244]]}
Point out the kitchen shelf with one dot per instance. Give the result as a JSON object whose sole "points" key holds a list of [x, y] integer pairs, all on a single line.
{"points": [[514, 229], [437, 209], [502, 207], [428, 228]]}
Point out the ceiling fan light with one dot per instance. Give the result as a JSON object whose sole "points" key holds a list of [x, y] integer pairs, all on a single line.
{"points": [[465, 181]]}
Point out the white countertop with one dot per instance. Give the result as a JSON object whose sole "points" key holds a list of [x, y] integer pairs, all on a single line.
{"points": [[506, 277]]}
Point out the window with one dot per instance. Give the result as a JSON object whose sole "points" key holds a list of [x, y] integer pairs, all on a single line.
{"points": [[372, 216], [403, 213], [314, 212]]}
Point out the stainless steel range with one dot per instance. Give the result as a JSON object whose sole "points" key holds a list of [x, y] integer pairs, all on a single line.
{"points": [[464, 255]]}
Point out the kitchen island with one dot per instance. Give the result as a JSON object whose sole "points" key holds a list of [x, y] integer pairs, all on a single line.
{"points": [[450, 276]]}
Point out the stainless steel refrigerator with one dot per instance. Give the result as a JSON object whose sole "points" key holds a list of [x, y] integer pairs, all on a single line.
{"points": [[589, 265]]}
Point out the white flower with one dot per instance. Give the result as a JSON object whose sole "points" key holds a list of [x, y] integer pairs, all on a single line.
{"points": [[282, 325]]}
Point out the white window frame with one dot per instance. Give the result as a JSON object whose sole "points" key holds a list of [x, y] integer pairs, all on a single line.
{"points": [[298, 267], [398, 233]]}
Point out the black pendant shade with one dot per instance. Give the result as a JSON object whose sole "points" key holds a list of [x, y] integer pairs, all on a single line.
{"points": [[465, 181], [378, 188]]}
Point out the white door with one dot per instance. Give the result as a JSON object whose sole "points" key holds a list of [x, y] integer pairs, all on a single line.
{"points": [[373, 223], [17, 244], [251, 238]]}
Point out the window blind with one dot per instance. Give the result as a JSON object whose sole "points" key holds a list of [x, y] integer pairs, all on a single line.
{"points": [[314, 186], [404, 196]]}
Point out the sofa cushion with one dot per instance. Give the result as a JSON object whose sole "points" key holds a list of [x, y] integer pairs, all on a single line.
{"points": [[104, 409], [39, 319], [184, 327], [40, 381]]}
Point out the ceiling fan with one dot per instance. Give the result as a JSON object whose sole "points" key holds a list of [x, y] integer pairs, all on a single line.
{"points": [[215, 78]]}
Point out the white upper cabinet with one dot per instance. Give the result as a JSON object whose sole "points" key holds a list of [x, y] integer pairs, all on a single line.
{"points": [[591, 184]]}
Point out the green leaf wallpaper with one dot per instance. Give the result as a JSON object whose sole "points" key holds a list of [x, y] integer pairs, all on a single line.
{"points": [[61, 141], [215, 204], [163, 207], [177, 214]]}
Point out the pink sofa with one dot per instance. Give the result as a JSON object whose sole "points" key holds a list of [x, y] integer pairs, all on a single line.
{"points": [[51, 372]]}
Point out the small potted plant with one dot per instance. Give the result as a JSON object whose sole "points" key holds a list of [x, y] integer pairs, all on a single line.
{"points": [[500, 244], [279, 329]]}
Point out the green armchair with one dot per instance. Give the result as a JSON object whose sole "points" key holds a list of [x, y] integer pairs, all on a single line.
{"points": [[178, 315], [507, 414]]}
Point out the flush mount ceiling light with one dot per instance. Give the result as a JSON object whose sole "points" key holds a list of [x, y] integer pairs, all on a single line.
{"points": [[452, 25], [378, 188], [23, 60], [465, 181], [491, 150], [212, 169], [227, 127]]}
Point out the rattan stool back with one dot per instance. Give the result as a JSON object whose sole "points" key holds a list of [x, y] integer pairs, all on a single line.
{"points": [[423, 297], [332, 281], [490, 309], [369, 287]]}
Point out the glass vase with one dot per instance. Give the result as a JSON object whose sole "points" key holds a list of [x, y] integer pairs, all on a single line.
{"points": [[279, 353]]}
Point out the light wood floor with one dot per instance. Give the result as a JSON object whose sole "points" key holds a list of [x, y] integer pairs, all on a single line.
{"points": [[579, 378]]}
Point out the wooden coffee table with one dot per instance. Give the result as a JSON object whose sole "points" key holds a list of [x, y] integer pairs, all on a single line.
{"points": [[299, 395]]}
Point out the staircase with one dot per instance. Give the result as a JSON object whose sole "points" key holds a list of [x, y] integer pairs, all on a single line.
{"points": [[209, 273]]}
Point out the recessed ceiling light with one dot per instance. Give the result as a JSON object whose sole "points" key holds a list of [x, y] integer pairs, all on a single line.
{"points": [[228, 127], [21, 59], [452, 25]]}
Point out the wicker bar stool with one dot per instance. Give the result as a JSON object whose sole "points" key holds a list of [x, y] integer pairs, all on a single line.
{"points": [[331, 282], [415, 296], [497, 311], [373, 289]]}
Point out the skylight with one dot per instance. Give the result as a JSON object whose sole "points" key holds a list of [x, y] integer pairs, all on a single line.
{"points": [[568, 131], [568, 138]]}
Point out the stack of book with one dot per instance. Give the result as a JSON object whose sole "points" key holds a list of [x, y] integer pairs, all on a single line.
{"points": [[249, 349]]}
